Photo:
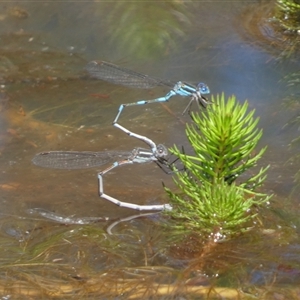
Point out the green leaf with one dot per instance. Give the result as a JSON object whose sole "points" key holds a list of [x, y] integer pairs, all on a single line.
{"points": [[223, 138]]}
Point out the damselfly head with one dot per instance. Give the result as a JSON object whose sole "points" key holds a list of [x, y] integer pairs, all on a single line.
{"points": [[203, 88], [162, 151]]}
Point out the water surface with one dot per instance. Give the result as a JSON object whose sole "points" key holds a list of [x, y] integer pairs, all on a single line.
{"points": [[48, 102]]}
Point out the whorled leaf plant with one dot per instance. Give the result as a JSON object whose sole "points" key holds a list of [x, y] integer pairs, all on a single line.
{"points": [[211, 198]]}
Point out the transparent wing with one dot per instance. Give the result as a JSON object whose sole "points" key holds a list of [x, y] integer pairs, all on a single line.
{"points": [[76, 159]]}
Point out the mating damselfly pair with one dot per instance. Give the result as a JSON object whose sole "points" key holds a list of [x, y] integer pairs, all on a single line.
{"points": [[157, 153]]}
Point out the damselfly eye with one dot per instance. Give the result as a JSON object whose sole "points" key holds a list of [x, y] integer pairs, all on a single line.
{"points": [[204, 89]]}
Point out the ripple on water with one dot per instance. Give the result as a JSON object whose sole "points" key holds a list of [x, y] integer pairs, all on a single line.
{"points": [[258, 26]]}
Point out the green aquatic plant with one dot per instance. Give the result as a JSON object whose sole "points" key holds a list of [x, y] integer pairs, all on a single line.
{"points": [[287, 16], [214, 196], [287, 13]]}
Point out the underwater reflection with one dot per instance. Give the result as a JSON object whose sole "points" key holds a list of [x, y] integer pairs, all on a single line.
{"points": [[146, 29]]}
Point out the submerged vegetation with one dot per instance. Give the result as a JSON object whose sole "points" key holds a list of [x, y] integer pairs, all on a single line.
{"points": [[293, 103], [215, 197], [287, 15]]}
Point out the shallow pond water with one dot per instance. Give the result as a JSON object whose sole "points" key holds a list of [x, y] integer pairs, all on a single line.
{"points": [[47, 102]]}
